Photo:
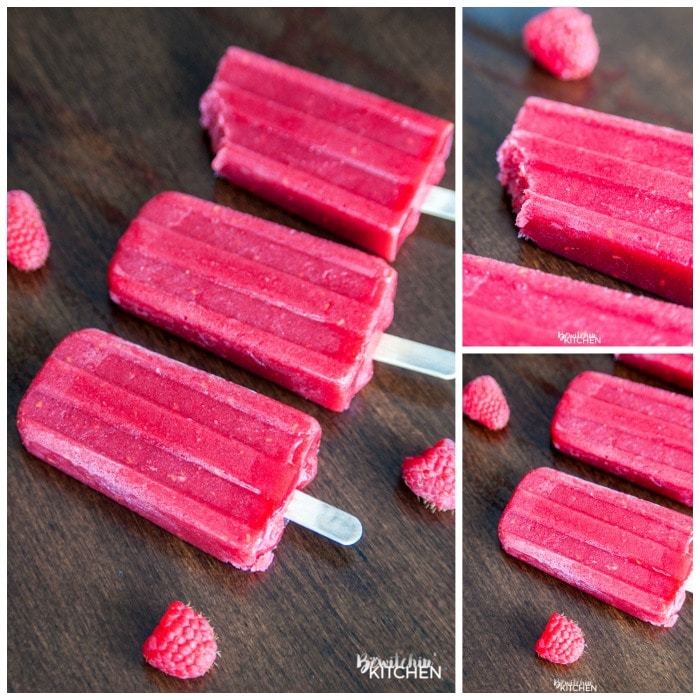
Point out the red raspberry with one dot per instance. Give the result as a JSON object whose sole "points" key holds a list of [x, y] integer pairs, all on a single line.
{"points": [[563, 42], [484, 402], [27, 240], [561, 642], [431, 475], [183, 643]]}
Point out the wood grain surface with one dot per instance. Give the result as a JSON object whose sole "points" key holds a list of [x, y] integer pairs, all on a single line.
{"points": [[506, 602], [644, 72], [102, 115]]}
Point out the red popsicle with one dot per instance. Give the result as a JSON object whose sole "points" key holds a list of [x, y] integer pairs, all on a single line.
{"points": [[612, 193], [626, 551], [348, 160], [211, 462], [639, 432], [674, 368], [302, 311], [506, 304]]}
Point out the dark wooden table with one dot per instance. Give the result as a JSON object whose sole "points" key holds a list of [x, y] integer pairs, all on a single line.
{"points": [[507, 603], [645, 72], [103, 114]]}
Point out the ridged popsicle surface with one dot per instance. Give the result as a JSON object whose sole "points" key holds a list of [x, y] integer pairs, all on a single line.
{"points": [[628, 552], [210, 461]]}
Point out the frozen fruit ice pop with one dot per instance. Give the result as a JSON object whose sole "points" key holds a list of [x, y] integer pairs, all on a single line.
{"points": [[210, 461], [348, 160], [631, 553], [297, 309], [608, 192], [639, 432], [674, 368], [506, 304]]}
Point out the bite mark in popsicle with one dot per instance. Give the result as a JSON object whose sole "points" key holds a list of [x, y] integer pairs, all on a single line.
{"points": [[628, 552], [348, 160], [608, 192], [301, 311], [211, 462], [639, 432]]}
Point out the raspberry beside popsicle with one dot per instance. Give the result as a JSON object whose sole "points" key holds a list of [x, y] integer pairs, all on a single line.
{"points": [[348, 160], [302, 311], [638, 432], [612, 193], [628, 552], [211, 462]]}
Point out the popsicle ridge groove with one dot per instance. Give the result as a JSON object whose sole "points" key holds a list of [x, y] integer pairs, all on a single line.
{"points": [[203, 493], [268, 250], [634, 140], [673, 216], [657, 435], [272, 80], [365, 173], [230, 270], [219, 306], [594, 191], [168, 425], [655, 597], [642, 528], [368, 167]]}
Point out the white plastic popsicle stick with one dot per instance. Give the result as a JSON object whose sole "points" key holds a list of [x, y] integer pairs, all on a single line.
{"points": [[324, 519], [409, 354], [689, 582], [440, 202]]}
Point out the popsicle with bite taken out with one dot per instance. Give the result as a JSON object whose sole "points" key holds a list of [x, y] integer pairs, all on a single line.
{"points": [[351, 161], [609, 192]]}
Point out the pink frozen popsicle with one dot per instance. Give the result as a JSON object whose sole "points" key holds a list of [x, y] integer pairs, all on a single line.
{"points": [[674, 368], [302, 311], [506, 304], [638, 432], [626, 551], [612, 193], [348, 160], [214, 463]]}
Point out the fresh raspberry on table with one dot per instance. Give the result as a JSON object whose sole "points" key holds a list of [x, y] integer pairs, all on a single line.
{"points": [[431, 475], [561, 642], [563, 42], [183, 643], [483, 401], [27, 241]]}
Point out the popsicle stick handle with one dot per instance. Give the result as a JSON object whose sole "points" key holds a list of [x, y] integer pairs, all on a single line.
{"points": [[418, 357], [689, 582], [324, 519], [440, 202]]}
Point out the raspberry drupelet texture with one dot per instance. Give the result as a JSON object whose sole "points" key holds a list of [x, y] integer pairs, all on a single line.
{"points": [[183, 643], [27, 241], [563, 42], [431, 475], [483, 401], [561, 642]]}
